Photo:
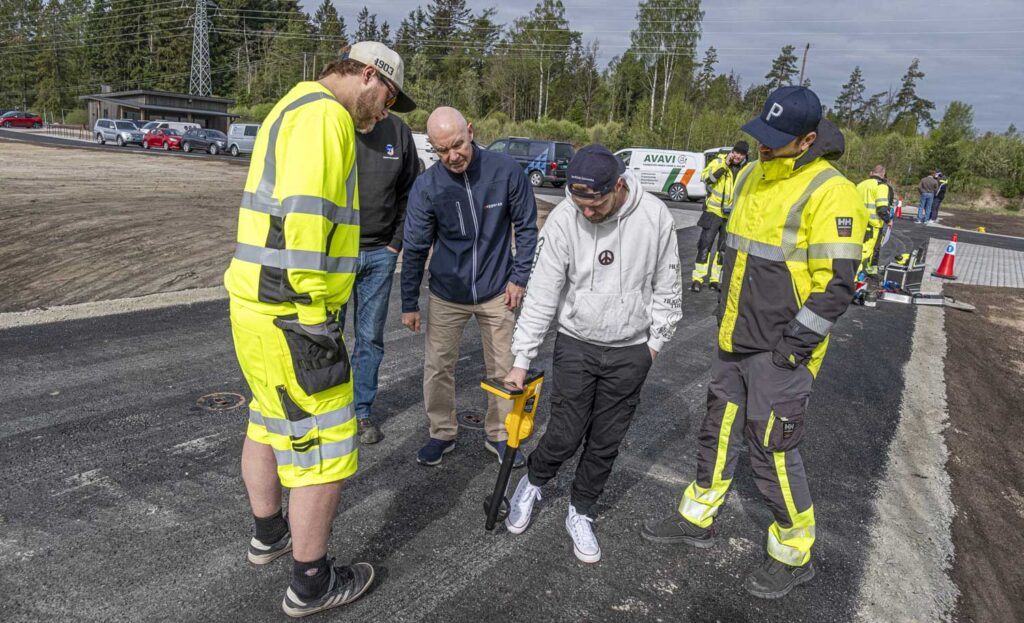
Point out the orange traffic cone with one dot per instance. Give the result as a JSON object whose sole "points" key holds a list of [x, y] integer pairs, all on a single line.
{"points": [[945, 270]]}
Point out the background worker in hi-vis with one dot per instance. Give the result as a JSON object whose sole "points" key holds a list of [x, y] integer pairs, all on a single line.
{"points": [[720, 177], [293, 269], [793, 245]]}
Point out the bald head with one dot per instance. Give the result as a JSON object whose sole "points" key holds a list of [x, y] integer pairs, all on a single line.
{"points": [[452, 138], [878, 171]]}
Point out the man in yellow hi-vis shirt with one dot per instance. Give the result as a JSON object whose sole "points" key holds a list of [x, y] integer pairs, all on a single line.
{"points": [[793, 245], [293, 269]]}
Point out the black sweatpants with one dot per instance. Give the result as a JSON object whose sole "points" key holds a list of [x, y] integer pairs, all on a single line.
{"points": [[595, 390]]}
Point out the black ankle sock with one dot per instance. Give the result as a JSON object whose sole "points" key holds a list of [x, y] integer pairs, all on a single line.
{"points": [[311, 586], [271, 529]]}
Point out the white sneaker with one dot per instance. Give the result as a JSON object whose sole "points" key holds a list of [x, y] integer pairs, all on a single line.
{"points": [[521, 506], [584, 543]]}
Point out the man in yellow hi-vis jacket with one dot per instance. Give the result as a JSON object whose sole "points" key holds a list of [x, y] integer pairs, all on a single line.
{"points": [[877, 195], [293, 269], [720, 178], [793, 245]]}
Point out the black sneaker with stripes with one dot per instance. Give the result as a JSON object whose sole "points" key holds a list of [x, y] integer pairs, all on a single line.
{"points": [[260, 553], [347, 584]]}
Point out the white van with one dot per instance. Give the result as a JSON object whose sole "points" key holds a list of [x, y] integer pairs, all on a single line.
{"points": [[242, 138], [668, 172], [425, 151], [180, 126]]}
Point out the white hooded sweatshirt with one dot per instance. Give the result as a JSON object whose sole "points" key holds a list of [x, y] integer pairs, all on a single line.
{"points": [[615, 283]]}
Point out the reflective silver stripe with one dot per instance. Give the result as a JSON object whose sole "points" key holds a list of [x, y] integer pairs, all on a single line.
{"points": [[715, 193], [834, 251], [266, 185], [301, 204], [331, 450], [755, 248], [301, 428], [792, 227], [291, 259], [813, 321], [784, 553], [741, 179], [870, 206]]}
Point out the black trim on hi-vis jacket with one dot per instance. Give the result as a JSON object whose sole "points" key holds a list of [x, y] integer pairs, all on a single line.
{"points": [[274, 285], [829, 305], [767, 302]]}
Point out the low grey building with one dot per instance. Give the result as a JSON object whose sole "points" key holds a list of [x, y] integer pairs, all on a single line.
{"points": [[147, 105]]}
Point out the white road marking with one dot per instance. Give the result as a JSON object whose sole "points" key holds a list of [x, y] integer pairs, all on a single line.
{"points": [[98, 309], [911, 552]]}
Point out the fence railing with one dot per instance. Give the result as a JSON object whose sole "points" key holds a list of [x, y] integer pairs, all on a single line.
{"points": [[77, 132]]}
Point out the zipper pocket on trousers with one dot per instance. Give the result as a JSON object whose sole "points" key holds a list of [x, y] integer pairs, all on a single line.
{"points": [[462, 224], [768, 429]]}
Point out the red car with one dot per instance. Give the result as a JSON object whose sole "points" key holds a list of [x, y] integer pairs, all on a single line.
{"points": [[162, 139], [18, 119]]}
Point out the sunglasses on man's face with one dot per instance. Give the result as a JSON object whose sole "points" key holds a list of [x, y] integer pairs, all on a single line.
{"points": [[392, 91]]}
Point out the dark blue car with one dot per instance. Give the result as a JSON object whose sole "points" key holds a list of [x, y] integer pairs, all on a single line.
{"points": [[542, 161]]}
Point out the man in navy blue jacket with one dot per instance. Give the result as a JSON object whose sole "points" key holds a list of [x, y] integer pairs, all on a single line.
{"points": [[466, 210]]}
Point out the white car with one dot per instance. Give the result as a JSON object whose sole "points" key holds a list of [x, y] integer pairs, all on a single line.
{"points": [[667, 172], [424, 150]]}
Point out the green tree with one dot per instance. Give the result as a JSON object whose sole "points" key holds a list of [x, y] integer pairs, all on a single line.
{"points": [[947, 143], [783, 69], [912, 110], [707, 71], [850, 101], [329, 27]]}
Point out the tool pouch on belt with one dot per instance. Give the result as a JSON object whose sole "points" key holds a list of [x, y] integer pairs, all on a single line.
{"points": [[785, 425], [316, 368]]}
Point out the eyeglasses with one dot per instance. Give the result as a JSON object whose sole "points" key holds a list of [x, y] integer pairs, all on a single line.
{"points": [[392, 90]]}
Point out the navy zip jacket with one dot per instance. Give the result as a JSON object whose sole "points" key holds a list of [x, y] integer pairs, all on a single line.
{"points": [[467, 218]]}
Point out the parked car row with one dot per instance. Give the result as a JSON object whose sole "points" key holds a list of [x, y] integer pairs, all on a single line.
{"points": [[20, 119], [181, 135]]}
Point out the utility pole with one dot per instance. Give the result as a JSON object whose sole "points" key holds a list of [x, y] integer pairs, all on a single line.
{"points": [[200, 83], [803, 65]]}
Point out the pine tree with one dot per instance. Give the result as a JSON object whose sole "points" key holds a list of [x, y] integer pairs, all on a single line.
{"points": [[329, 28], [912, 110], [707, 70], [783, 69], [851, 99]]}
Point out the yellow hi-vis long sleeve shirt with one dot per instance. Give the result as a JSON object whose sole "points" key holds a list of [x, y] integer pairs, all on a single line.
{"points": [[298, 226], [793, 245]]}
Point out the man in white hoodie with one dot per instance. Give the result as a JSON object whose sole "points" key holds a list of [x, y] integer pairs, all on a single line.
{"points": [[607, 265]]}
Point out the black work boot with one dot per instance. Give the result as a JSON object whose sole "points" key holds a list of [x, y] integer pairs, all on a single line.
{"points": [[714, 286], [677, 529], [773, 579], [695, 286]]}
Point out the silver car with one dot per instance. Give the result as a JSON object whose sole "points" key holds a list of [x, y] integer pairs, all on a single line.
{"points": [[242, 137], [121, 132]]}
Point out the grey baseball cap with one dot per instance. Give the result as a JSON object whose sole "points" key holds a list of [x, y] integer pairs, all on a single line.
{"points": [[389, 64]]}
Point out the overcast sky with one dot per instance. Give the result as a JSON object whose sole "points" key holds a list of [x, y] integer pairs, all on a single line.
{"points": [[972, 51]]}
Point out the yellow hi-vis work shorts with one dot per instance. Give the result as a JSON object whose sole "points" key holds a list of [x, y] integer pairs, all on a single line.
{"points": [[314, 436]]}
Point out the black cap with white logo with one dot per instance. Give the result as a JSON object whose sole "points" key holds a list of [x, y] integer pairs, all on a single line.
{"points": [[790, 112]]}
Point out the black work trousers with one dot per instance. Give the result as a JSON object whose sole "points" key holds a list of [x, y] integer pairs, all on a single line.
{"points": [[595, 390]]}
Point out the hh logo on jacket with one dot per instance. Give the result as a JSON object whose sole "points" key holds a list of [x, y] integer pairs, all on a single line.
{"points": [[844, 226]]}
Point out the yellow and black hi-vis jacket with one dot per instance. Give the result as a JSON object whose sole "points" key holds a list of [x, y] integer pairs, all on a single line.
{"points": [[298, 226], [720, 179], [793, 245], [877, 196]]}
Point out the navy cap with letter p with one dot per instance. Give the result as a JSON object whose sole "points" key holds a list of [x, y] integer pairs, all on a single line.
{"points": [[789, 112], [596, 168]]}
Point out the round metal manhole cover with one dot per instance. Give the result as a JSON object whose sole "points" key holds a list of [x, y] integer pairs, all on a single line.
{"points": [[471, 419], [221, 401]]}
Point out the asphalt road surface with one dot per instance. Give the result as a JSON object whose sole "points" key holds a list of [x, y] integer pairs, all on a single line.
{"points": [[123, 500]]}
